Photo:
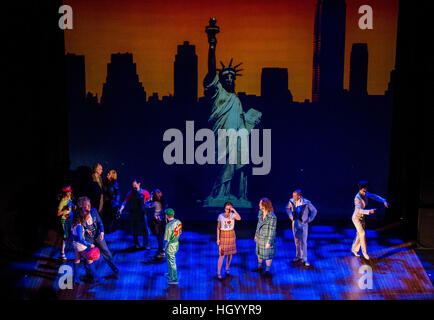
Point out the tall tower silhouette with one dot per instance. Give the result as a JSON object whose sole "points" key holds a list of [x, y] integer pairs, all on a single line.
{"points": [[185, 74], [122, 86], [75, 80], [274, 85], [359, 69], [329, 50]]}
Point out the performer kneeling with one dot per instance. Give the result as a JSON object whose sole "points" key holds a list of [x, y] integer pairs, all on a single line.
{"points": [[226, 236], [360, 203], [95, 230], [171, 235], [82, 248], [265, 236]]}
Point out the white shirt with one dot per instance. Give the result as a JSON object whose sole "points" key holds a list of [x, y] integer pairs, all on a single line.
{"points": [[299, 202], [228, 223]]}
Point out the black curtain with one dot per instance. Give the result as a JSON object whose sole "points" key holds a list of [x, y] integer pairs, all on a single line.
{"points": [[411, 177], [35, 124]]}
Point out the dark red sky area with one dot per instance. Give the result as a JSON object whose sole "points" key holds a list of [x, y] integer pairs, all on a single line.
{"points": [[259, 33]]}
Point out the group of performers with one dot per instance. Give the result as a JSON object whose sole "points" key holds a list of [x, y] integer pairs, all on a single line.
{"points": [[301, 212], [82, 223]]}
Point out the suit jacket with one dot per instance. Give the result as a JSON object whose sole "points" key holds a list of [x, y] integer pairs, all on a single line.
{"points": [[361, 202], [305, 212]]}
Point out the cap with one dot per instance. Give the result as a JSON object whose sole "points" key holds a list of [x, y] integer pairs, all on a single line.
{"points": [[169, 212], [67, 189]]}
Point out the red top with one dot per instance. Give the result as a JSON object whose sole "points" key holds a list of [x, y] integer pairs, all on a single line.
{"points": [[129, 195]]}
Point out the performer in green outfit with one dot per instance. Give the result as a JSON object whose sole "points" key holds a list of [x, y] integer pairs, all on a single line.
{"points": [[64, 212], [171, 236]]}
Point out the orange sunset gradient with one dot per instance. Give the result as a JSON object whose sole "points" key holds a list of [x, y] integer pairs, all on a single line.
{"points": [[257, 33]]}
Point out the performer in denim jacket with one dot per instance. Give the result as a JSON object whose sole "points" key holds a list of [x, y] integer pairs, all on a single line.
{"points": [[95, 232], [301, 212]]}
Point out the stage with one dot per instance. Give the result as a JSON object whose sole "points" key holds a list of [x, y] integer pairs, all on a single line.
{"points": [[397, 271]]}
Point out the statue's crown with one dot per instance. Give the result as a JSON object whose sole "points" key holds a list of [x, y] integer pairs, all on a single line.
{"points": [[230, 69]]}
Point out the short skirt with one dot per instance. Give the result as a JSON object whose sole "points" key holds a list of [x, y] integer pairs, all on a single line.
{"points": [[227, 243]]}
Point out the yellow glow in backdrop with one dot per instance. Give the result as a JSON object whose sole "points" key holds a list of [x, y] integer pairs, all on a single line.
{"points": [[258, 33]]}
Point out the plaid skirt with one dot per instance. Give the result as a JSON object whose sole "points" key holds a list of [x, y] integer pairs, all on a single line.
{"points": [[227, 243], [262, 252]]}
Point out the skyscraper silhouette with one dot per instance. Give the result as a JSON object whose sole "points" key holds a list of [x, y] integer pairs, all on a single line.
{"points": [[359, 70], [185, 74], [75, 80], [274, 85], [329, 50], [122, 86]]}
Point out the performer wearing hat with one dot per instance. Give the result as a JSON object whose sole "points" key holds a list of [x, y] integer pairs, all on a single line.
{"points": [[171, 236], [226, 236], [360, 203], [64, 211]]}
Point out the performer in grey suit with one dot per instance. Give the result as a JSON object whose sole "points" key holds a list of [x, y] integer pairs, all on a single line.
{"points": [[301, 212], [360, 203]]}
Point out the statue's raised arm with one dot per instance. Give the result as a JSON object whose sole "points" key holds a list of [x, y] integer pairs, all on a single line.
{"points": [[212, 29]]}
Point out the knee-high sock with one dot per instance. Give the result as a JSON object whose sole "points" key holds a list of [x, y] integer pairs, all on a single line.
{"points": [[76, 274]]}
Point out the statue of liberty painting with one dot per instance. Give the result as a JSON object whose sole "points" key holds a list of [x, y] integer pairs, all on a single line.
{"points": [[227, 113]]}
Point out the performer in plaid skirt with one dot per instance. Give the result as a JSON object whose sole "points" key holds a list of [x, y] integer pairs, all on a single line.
{"points": [[226, 236], [265, 236]]}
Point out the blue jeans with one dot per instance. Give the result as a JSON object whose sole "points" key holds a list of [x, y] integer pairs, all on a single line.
{"points": [[300, 231], [103, 248]]}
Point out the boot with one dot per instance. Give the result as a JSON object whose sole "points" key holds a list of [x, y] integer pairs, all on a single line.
{"points": [[113, 266], [91, 272], [76, 274]]}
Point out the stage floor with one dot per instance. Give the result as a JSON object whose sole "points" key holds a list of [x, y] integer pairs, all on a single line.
{"points": [[397, 271]]}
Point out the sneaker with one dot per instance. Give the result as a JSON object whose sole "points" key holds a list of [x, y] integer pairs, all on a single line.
{"points": [[219, 276], [172, 282], [306, 264], [258, 269]]}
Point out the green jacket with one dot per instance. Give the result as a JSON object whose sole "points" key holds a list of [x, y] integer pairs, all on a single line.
{"points": [[172, 232]]}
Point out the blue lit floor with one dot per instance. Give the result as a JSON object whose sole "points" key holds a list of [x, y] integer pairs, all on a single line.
{"points": [[397, 271]]}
